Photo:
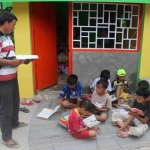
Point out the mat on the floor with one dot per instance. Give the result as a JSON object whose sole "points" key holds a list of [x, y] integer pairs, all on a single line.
{"points": [[49, 135]]}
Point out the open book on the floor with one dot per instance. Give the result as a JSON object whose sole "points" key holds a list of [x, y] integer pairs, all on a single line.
{"points": [[91, 121], [47, 112], [133, 110]]}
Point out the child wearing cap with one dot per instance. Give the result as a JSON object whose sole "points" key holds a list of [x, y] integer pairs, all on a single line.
{"points": [[120, 87]]}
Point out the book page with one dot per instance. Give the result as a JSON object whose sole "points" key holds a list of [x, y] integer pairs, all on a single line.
{"points": [[97, 104], [122, 111], [27, 57], [125, 107], [56, 108], [113, 97], [66, 117], [45, 113], [91, 121]]}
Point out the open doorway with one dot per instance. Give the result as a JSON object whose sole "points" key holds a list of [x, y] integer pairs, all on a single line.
{"points": [[62, 41]]}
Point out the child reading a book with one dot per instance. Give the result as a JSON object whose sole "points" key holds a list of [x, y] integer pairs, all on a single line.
{"points": [[76, 127], [125, 121], [101, 100], [141, 83], [105, 74], [120, 87], [71, 93]]}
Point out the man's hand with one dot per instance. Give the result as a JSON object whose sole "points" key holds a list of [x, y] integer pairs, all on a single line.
{"points": [[16, 62], [27, 61]]}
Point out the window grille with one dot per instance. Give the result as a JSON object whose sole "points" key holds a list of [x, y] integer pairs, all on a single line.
{"points": [[105, 26]]}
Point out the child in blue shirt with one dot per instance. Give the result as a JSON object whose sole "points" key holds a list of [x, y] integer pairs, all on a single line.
{"points": [[71, 93]]}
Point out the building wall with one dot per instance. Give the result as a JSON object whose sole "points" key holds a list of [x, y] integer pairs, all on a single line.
{"points": [[23, 46], [88, 65], [145, 53]]}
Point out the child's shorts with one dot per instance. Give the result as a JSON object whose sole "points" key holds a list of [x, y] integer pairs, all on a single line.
{"points": [[82, 135], [124, 95]]}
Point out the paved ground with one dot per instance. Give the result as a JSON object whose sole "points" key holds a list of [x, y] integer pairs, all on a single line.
{"points": [[21, 134]]}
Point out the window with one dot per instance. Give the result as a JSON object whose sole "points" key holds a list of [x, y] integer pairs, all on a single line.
{"points": [[105, 26]]}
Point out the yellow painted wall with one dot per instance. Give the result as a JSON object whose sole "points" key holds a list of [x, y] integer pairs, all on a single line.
{"points": [[23, 46], [145, 54]]}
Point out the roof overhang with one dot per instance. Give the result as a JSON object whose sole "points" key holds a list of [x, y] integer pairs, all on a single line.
{"points": [[123, 1]]}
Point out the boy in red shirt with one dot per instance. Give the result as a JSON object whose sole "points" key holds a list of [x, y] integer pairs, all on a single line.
{"points": [[76, 126]]}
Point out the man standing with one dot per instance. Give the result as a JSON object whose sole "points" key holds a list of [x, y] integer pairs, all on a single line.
{"points": [[9, 92]]}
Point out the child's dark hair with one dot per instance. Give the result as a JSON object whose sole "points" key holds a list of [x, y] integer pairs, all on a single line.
{"points": [[143, 83], [143, 91], [85, 104], [72, 79], [103, 82], [7, 16], [105, 74]]}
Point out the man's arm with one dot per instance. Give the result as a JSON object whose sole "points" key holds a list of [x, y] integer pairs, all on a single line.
{"points": [[13, 62]]}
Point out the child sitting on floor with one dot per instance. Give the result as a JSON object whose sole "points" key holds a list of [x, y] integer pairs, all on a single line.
{"points": [[124, 120], [105, 74], [71, 93], [76, 126], [101, 100], [120, 87], [141, 83]]}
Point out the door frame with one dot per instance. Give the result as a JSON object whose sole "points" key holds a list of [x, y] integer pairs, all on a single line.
{"points": [[70, 36], [31, 16]]}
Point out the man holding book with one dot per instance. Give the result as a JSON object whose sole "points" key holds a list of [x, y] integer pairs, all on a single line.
{"points": [[142, 122]]}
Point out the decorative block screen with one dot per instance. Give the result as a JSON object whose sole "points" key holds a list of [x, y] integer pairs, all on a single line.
{"points": [[105, 26]]}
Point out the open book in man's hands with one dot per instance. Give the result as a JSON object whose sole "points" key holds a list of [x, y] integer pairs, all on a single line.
{"points": [[91, 121], [47, 112], [24, 57], [133, 110]]}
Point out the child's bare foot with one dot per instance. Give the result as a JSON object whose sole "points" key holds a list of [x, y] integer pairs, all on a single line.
{"points": [[123, 134]]}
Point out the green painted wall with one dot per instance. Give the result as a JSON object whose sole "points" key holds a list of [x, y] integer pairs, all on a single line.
{"points": [[125, 1], [7, 4], [141, 45]]}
